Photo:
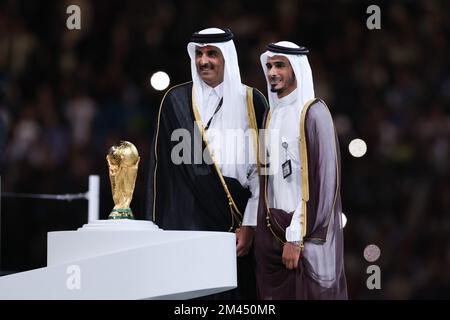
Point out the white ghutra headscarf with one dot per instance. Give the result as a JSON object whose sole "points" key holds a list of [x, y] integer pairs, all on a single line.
{"points": [[300, 66]]}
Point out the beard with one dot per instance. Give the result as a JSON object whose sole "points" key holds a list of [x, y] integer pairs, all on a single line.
{"points": [[275, 90], [289, 81], [273, 86]]}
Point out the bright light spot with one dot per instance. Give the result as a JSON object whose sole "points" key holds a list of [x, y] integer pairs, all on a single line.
{"points": [[357, 148], [344, 220], [160, 80], [372, 252]]}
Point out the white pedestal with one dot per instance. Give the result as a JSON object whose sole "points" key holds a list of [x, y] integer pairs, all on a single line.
{"points": [[128, 259]]}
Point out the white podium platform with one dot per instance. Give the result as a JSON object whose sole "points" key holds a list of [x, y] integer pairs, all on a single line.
{"points": [[128, 259]]}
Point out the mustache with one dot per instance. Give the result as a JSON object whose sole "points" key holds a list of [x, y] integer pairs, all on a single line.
{"points": [[274, 78], [206, 65]]}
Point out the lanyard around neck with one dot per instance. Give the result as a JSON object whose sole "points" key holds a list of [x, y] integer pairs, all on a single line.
{"points": [[217, 110]]}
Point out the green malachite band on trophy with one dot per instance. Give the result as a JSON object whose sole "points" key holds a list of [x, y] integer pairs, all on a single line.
{"points": [[122, 210], [120, 217]]}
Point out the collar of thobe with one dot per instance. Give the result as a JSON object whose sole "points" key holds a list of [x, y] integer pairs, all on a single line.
{"points": [[286, 100], [218, 90]]}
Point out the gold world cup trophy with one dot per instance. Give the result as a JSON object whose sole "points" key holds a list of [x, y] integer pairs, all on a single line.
{"points": [[123, 160]]}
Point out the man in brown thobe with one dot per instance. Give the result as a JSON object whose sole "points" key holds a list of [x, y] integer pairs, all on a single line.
{"points": [[299, 236]]}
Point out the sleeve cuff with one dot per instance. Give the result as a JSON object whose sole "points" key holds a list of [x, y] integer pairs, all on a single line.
{"points": [[251, 213], [293, 233]]}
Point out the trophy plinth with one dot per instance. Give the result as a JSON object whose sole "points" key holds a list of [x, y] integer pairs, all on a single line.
{"points": [[123, 160]]}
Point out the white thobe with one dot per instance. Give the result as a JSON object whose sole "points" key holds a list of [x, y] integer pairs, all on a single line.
{"points": [[285, 193], [244, 171]]}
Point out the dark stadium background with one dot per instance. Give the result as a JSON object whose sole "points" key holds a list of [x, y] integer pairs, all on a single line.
{"points": [[67, 95]]}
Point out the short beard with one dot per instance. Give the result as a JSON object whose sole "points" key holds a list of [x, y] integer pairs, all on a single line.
{"points": [[273, 89]]}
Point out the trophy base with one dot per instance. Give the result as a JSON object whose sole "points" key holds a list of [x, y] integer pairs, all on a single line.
{"points": [[120, 224]]}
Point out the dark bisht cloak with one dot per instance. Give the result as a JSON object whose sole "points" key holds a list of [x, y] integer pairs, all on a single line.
{"points": [[190, 196], [320, 274], [193, 196]]}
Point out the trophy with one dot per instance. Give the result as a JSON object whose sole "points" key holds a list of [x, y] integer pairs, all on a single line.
{"points": [[123, 160]]}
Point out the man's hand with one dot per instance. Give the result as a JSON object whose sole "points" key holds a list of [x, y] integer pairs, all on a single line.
{"points": [[244, 238], [291, 255]]}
